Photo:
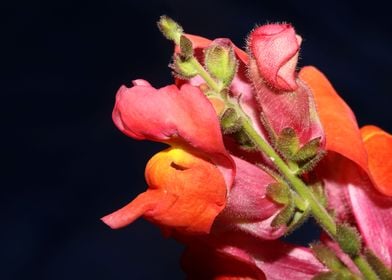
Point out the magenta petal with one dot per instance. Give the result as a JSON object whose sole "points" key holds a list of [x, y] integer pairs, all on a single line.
{"points": [[352, 196], [248, 209], [373, 213], [336, 185], [273, 258], [170, 115]]}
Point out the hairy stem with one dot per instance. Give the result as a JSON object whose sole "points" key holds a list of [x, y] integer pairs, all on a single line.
{"points": [[365, 268], [326, 221]]}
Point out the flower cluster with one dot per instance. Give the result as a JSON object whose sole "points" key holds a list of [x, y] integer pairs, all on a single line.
{"points": [[256, 148]]}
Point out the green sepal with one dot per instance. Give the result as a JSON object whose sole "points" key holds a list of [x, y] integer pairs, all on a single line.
{"points": [[382, 271], [244, 140], [170, 29], [230, 122], [279, 192], [298, 219], [287, 143], [268, 128], [307, 151], [349, 239], [221, 62], [334, 275], [311, 163], [183, 68], [285, 215], [186, 47], [327, 256], [319, 192]]}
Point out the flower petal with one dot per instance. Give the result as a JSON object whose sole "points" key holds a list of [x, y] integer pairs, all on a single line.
{"points": [[275, 49], [373, 212], [180, 117], [338, 121], [288, 109], [185, 193], [274, 259], [203, 262], [248, 208], [378, 145], [351, 195]]}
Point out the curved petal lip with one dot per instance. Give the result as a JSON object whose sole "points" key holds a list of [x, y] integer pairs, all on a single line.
{"points": [[378, 145], [344, 138]]}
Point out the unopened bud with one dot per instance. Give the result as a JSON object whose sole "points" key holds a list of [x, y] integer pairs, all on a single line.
{"points": [[220, 61], [170, 29]]}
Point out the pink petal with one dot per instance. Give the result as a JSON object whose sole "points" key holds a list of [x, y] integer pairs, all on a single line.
{"points": [[275, 259], [373, 212], [288, 109], [352, 196], [248, 209], [275, 49], [170, 115]]}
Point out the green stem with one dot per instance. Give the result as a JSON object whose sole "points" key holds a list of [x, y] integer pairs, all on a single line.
{"points": [[318, 210], [365, 268], [205, 75]]}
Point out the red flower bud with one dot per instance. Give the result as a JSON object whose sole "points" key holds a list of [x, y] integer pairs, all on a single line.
{"points": [[275, 48]]}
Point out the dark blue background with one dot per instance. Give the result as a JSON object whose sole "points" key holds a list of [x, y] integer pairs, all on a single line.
{"points": [[65, 164]]}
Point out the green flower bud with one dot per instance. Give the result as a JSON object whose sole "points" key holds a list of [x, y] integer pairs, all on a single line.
{"points": [[170, 29], [220, 61]]}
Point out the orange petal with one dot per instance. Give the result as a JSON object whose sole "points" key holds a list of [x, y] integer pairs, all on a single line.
{"points": [[198, 185], [141, 204], [339, 123], [378, 145], [185, 193]]}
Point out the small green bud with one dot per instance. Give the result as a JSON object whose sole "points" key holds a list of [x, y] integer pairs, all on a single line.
{"points": [[183, 68], [186, 47], [170, 29], [279, 192], [230, 122], [348, 239], [287, 142], [382, 271], [220, 61]]}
